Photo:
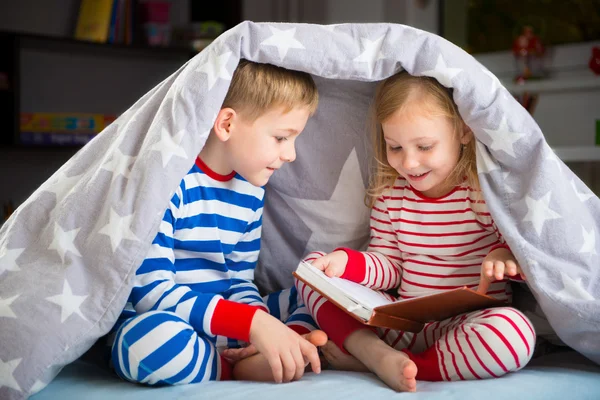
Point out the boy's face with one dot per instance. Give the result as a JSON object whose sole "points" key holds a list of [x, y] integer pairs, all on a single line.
{"points": [[257, 149]]}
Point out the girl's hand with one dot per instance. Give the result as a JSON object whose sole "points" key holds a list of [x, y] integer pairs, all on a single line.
{"points": [[496, 264], [332, 264]]}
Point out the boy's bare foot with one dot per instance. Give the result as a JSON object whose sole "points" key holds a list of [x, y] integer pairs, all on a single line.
{"points": [[393, 367], [340, 360], [256, 368]]}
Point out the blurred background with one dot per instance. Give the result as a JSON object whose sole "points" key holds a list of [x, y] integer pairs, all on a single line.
{"points": [[70, 67]]}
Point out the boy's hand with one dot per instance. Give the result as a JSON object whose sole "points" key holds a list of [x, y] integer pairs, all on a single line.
{"points": [[286, 351], [332, 264], [496, 264]]}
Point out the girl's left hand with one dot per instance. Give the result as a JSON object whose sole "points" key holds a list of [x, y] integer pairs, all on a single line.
{"points": [[496, 264]]}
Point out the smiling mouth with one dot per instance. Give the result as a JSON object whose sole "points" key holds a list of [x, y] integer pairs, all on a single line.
{"points": [[418, 177]]}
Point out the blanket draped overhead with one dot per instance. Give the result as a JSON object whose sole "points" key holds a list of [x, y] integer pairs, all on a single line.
{"points": [[68, 253]]}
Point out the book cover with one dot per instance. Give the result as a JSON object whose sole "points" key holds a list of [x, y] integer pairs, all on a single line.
{"points": [[93, 22], [372, 308]]}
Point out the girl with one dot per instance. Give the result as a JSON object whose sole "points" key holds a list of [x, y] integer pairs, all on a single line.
{"points": [[430, 231]]}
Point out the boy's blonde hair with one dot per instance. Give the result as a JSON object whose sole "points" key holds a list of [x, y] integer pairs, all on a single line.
{"points": [[257, 88], [392, 95]]}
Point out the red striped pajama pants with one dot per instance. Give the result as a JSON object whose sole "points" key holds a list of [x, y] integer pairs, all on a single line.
{"points": [[482, 344]]}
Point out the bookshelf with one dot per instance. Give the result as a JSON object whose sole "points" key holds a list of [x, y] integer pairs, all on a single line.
{"points": [[46, 72]]}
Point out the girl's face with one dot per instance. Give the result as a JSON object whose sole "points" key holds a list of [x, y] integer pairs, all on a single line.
{"points": [[423, 149]]}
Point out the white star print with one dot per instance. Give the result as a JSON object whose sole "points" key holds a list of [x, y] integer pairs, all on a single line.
{"points": [[119, 164], [507, 188], [347, 227], [283, 40], [68, 302], [330, 27], [63, 242], [589, 241], [582, 196], [170, 146], [37, 386], [485, 162], [539, 212], [495, 81], [573, 289], [371, 51], [442, 73], [215, 68], [552, 157], [503, 139], [5, 310], [8, 259], [118, 229], [7, 369], [63, 184]]}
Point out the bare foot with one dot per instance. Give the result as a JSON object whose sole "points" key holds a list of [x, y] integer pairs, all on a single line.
{"points": [[257, 368], [393, 367], [340, 360]]}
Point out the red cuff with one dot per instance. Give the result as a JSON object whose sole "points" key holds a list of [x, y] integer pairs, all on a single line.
{"points": [[499, 246], [517, 278], [232, 320], [356, 267]]}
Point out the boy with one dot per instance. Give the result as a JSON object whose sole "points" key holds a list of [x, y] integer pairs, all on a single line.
{"points": [[194, 292]]}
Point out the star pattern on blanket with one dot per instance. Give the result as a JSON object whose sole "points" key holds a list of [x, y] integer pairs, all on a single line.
{"points": [[583, 197], [8, 259], [63, 242], [589, 241], [62, 185], [442, 72], [119, 164], [503, 138], [69, 303], [349, 191], [118, 229], [7, 371], [170, 146], [496, 84], [485, 162], [371, 51], [538, 212], [284, 40], [5, 310], [573, 289], [215, 68]]}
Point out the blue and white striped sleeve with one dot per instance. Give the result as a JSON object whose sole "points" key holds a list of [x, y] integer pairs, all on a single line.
{"points": [[155, 288], [243, 261]]}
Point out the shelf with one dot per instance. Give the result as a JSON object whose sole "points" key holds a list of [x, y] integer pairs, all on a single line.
{"points": [[66, 44], [578, 154], [590, 82]]}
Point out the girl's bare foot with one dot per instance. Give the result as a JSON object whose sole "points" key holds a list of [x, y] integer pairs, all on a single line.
{"points": [[340, 360], [252, 366], [393, 367]]}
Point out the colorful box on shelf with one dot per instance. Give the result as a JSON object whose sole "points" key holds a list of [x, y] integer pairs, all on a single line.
{"points": [[61, 129]]}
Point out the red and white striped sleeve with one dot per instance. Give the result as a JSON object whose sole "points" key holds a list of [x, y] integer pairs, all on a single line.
{"points": [[380, 267]]}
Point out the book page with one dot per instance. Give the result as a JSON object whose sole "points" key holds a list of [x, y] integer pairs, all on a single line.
{"points": [[359, 293]]}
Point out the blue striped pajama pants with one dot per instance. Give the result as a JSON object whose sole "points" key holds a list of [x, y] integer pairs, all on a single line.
{"points": [[161, 348]]}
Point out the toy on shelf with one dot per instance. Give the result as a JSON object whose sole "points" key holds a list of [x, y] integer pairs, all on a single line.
{"points": [[529, 52], [595, 60]]}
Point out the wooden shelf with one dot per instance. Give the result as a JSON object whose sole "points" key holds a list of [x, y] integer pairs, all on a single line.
{"points": [[67, 44], [578, 153], [590, 82]]}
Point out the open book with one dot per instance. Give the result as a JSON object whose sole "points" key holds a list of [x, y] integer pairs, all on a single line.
{"points": [[373, 308]]}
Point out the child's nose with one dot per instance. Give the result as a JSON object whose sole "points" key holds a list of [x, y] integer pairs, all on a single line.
{"points": [[410, 162], [289, 153]]}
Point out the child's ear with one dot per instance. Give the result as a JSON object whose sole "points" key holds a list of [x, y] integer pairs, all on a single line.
{"points": [[222, 126], [466, 135]]}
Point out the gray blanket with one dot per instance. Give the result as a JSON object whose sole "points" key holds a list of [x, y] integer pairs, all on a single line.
{"points": [[68, 253]]}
